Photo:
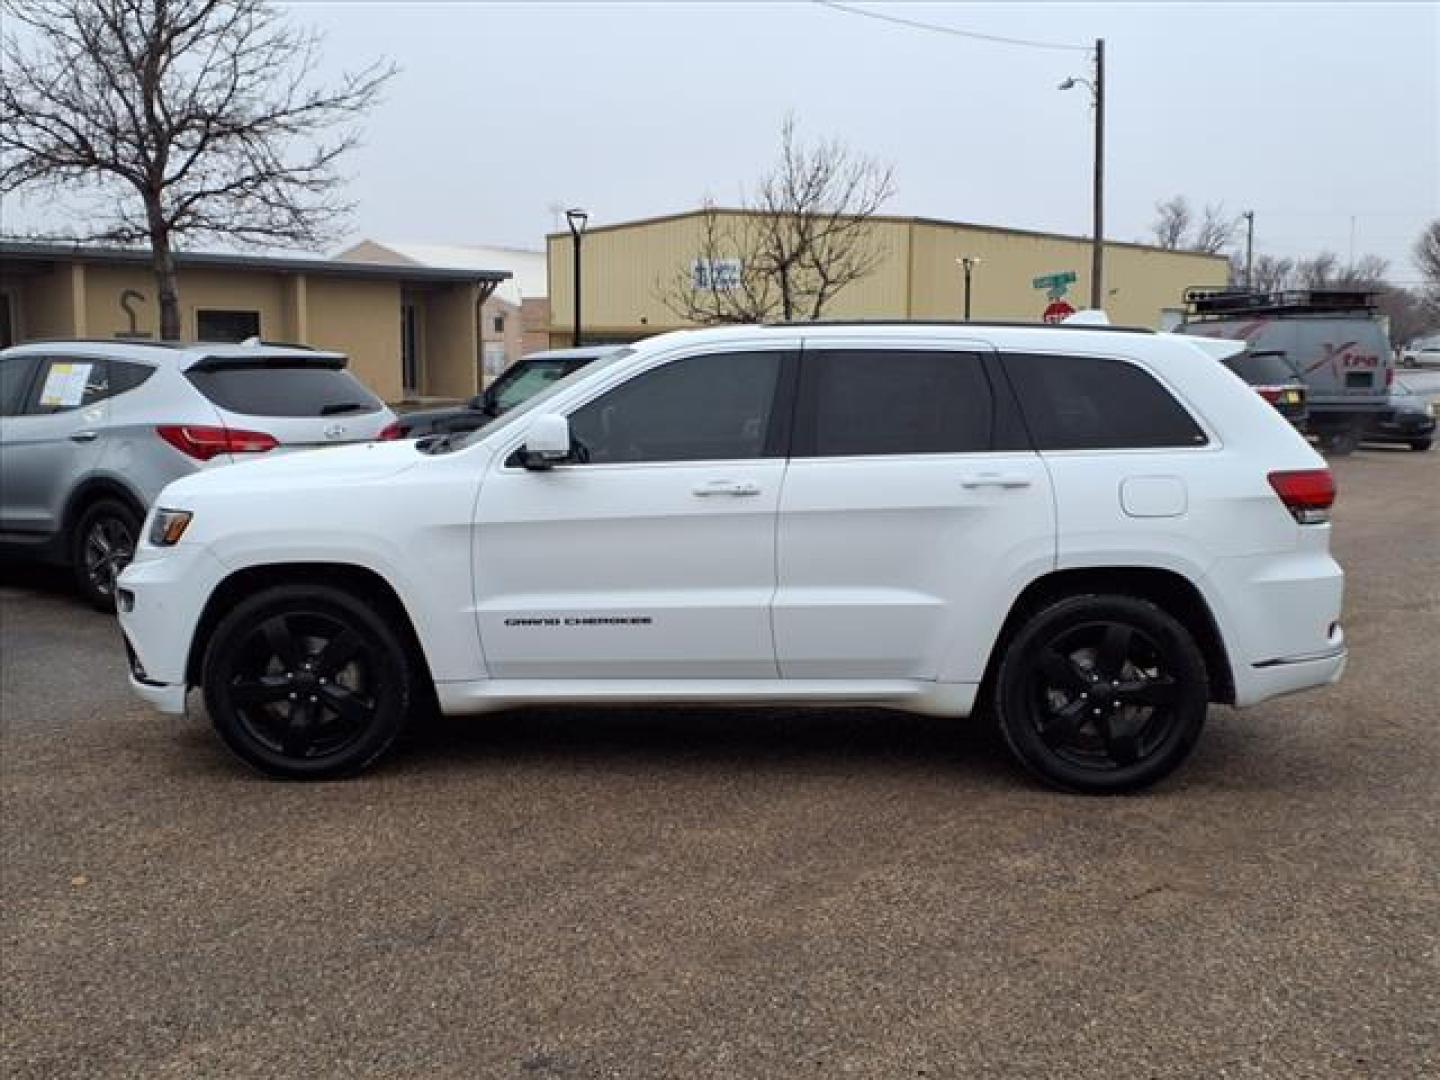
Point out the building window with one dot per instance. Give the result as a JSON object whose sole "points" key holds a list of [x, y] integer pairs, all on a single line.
{"points": [[227, 325], [499, 324]]}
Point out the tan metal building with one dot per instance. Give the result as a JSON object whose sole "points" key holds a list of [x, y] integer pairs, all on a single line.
{"points": [[626, 269], [411, 332]]}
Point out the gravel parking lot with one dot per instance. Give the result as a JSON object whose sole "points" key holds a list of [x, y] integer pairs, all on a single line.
{"points": [[570, 893]]}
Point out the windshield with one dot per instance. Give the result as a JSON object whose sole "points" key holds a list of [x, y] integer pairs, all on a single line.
{"points": [[595, 367], [524, 381], [1263, 368]]}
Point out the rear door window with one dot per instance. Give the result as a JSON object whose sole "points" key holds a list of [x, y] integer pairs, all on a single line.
{"points": [[1097, 403], [295, 388], [64, 384], [862, 402]]}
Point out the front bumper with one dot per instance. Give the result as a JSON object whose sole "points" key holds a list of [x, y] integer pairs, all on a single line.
{"points": [[162, 595]]}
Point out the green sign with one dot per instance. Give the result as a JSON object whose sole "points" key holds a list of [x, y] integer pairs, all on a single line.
{"points": [[1054, 281]]}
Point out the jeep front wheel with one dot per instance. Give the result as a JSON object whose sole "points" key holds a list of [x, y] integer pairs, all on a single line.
{"points": [[307, 682], [1102, 694]]}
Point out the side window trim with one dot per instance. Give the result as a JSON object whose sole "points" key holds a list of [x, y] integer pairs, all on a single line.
{"points": [[805, 435]]}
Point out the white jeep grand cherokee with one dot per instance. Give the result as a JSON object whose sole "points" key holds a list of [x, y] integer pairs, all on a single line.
{"points": [[1093, 532]]}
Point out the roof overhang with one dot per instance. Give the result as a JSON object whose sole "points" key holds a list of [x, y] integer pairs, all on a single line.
{"points": [[27, 253]]}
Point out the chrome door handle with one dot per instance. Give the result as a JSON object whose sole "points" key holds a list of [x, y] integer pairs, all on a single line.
{"points": [[992, 479], [84, 436], [725, 487]]}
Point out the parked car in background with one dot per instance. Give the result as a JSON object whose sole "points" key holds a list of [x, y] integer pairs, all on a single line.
{"points": [[1090, 533], [91, 431], [1333, 338], [1423, 353], [1275, 379], [516, 385], [1410, 420]]}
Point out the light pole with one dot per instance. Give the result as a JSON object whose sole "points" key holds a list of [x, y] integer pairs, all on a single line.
{"points": [[968, 262], [1097, 242], [577, 220], [1249, 217]]}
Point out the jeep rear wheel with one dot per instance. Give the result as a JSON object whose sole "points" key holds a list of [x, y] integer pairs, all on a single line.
{"points": [[307, 682], [1102, 694]]}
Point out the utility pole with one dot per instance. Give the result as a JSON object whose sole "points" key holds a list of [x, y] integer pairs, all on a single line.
{"points": [[968, 263], [1097, 240], [1249, 217]]}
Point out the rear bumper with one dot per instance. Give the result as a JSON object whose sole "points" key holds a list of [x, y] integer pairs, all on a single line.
{"points": [[1290, 675]]}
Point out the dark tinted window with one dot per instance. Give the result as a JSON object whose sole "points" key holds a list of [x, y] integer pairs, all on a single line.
{"points": [[1091, 403], [702, 408], [227, 325], [1263, 368], [881, 401], [292, 389], [14, 379], [125, 375]]}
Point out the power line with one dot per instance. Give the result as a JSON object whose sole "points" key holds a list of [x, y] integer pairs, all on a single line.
{"points": [[936, 28]]}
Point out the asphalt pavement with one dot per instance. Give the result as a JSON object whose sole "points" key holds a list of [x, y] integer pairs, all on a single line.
{"points": [[760, 893]]}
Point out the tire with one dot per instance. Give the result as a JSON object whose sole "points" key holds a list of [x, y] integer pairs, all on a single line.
{"points": [[293, 642], [1145, 709], [1421, 445], [1340, 443], [101, 545]]}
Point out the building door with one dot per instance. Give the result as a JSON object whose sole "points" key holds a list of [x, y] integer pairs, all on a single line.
{"points": [[410, 348], [7, 320]]}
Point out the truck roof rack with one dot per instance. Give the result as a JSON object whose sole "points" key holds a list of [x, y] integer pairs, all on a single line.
{"points": [[1203, 303]]}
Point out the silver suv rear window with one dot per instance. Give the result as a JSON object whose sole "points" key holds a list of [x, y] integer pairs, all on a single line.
{"points": [[297, 388]]}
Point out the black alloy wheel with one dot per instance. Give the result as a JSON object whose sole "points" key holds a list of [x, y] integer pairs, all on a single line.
{"points": [[104, 543], [1102, 694], [307, 682]]}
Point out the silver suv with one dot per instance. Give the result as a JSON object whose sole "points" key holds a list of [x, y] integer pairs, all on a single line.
{"points": [[90, 431]]}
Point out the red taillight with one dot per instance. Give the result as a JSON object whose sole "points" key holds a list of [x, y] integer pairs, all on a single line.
{"points": [[1272, 394], [1307, 493], [391, 431], [204, 443], [1389, 377]]}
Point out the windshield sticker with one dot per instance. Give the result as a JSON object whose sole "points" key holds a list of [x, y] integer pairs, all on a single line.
{"points": [[65, 385]]}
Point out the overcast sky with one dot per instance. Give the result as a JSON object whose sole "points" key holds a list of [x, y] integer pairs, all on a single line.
{"points": [[1312, 115]]}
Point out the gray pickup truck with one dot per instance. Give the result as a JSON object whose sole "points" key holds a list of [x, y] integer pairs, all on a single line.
{"points": [[1332, 338]]}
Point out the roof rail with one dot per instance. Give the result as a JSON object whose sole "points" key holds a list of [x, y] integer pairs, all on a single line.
{"points": [[985, 324], [1209, 302]]}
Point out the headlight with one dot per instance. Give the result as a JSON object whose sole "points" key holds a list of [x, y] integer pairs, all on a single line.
{"points": [[169, 526]]}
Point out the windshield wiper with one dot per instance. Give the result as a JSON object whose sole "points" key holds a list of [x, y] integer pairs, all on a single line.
{"points": [[341, 406]]}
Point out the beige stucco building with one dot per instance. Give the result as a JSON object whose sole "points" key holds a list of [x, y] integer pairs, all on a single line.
{"points": [[515, 319], [627, 268], [411, 332]]}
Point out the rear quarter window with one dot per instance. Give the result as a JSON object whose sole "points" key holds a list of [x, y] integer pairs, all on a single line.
{"points": [[1097, 403], [294, 389]]}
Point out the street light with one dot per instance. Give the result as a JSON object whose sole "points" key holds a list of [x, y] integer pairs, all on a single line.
{"points": [[969, 262], [1097, 242], [577, 220]]}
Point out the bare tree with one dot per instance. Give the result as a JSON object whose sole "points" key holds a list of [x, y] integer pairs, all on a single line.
{"points": [[178, 119], [1172, 223], [1427, 254], [803, 238], [1272, 273], [1214, 231]]}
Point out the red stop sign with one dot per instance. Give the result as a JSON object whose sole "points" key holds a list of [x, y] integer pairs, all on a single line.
{"points": [[1058, 311]]}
